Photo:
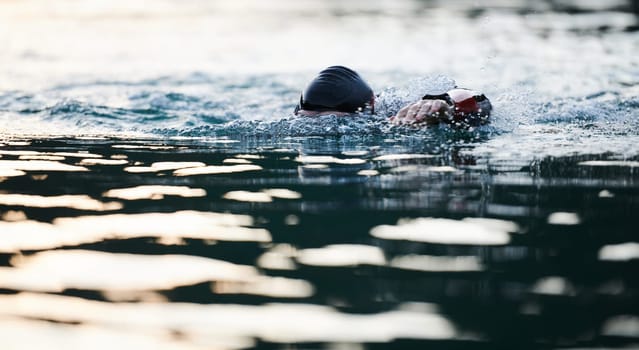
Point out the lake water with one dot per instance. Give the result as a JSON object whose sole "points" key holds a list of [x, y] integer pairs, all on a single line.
{"points": [[156, 191]]}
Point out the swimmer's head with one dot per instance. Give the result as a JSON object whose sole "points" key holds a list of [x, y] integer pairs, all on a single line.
{"points": [[336, 89]]}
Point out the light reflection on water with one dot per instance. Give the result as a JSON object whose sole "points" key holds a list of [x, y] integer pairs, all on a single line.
{"points": [[64, 231], [401, 258], [153, 192], [280, 323], [80, 202], [58, 270]]}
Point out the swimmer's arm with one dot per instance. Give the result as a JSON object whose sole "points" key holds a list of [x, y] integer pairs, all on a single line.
{"points": [[424, 112]]}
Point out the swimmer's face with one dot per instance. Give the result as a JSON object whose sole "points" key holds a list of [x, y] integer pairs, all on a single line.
{"points": [[368, 108], [305, 113]]}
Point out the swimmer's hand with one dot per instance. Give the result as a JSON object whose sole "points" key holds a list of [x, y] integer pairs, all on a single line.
{"points": [[428, 112]]}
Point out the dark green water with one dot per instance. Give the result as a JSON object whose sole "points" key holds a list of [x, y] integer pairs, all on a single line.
{"points": [[552, 268]]}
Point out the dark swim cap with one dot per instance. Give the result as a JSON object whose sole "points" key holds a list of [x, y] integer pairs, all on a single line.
{"points": [[336, 88]]}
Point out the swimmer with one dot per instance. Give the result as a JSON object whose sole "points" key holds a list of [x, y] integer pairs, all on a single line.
{"points": [[341, 91]]}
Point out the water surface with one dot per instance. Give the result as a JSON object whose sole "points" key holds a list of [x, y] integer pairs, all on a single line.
{"points": [[157, 192]]}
